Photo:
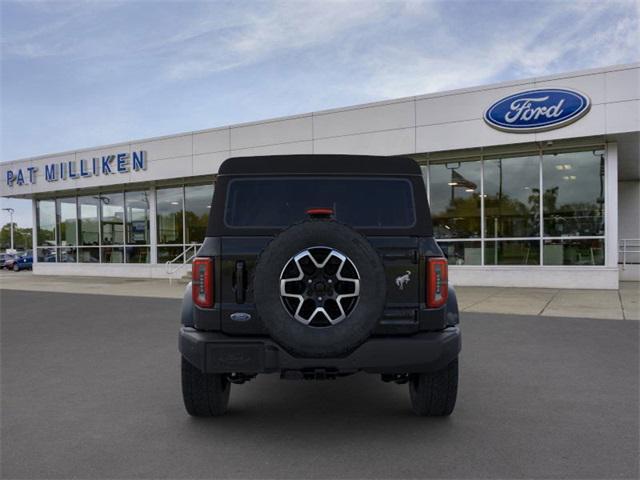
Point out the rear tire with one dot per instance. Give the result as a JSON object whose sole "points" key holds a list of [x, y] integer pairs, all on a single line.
{"points": [[16, 268], [204, 394], [434, 394]]}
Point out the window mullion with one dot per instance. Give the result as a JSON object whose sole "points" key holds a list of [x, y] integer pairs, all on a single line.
{"points": [[124, 226], [541, 202], [482, 219], [184, 224], [77, 231]]}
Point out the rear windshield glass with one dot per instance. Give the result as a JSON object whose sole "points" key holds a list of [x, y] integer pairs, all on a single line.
{"points": [[359, 202]]}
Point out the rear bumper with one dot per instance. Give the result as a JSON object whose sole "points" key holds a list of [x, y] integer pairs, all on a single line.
{"points": [[214, 352]]}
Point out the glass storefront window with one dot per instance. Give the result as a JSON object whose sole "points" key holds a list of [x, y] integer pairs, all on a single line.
{"points": [[137, 218], [455, 199], [67, 254], [47, 254], [88, 227], [512, 197], [166, 254], [462, 253], [512, 252], [197, 206], [574, 252], [112, 218], [89, 255], [46, 217], [573, 198], [112, 255], [67, 221], [169, 215], [137, 254]]}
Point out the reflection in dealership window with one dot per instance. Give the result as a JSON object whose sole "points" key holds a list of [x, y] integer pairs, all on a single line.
{"points": [[67, 213], [137, 254], [88, 220], [512, 197], [462, 253], [574, 251], [112, 255], [512, 252], [137, 218], [573, 198], [112, 217], [47, 254], [166, 254], [196, 211], [169, 207], [46, 218], [455, 199], [67, 254], [89, 255]]}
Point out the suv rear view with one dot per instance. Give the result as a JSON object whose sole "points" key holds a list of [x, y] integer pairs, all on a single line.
{"points": [[319, 266]]}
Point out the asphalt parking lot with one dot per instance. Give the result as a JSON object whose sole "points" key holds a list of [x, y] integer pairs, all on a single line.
{"points": [[90, 389]]}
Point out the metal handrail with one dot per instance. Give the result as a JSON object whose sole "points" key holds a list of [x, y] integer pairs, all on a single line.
{"points": [[628, 245], [186, 259]]}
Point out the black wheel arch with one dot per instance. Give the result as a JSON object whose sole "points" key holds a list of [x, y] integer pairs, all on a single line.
{"points": [[452, 313], [186, 314]]}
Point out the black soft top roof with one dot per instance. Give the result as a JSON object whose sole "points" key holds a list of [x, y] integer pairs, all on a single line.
{"points": [[288, 165], [319, 164]]}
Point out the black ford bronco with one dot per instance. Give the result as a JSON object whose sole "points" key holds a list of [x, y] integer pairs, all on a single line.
{"points": [[319, 266]]}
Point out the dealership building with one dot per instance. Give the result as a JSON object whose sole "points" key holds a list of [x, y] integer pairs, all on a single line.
{"points": [[534, 182]]}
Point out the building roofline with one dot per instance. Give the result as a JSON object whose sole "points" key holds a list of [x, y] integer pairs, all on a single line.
{"points": [[444, 93]]}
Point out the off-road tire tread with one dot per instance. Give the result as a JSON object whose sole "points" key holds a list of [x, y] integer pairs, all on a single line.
{"points": [[204, 394], [434, 394]]}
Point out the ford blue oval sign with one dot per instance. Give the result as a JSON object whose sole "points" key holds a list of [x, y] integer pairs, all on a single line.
{"points": [[537, 110]]}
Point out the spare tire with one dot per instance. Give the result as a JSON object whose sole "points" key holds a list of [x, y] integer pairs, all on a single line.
{"points": [[319, 288]]}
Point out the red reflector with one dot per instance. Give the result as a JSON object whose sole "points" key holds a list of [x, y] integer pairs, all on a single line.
{"points": [[202, 282], [319, 211], [437, 286]]}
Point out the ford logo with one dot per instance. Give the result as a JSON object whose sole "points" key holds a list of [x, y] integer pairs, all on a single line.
{"points": [[240, 316], [537, 110]]}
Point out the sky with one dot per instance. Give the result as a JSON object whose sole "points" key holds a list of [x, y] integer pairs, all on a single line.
{"points": [[87, 73]]}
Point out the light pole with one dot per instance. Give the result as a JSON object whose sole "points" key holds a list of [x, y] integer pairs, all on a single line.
{"points": [[11, 212]]}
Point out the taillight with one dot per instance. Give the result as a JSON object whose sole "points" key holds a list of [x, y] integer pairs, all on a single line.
{"points": [[437, 277], [202, 282]]}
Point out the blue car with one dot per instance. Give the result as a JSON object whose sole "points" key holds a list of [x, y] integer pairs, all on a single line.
{"points": [[23, 262]]}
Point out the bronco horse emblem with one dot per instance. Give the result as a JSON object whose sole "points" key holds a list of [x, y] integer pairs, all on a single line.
{"points": [[402, 280]]}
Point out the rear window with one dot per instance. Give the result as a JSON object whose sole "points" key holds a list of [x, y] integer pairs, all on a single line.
{"points": [[359, 202]]}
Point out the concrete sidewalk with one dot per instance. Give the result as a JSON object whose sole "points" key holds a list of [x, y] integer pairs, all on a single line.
{"points": [[623, 304]]}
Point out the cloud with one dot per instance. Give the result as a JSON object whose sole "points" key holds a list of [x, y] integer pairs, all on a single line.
{"points": [[101, 72], [52, 27], [287, 26], [556, 40], [400, 48]]}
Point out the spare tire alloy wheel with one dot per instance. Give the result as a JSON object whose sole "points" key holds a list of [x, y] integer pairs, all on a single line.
{"points": [[320, 286], [320, 289]]}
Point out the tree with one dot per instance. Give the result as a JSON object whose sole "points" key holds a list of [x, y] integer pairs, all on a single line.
{"points": [[21, 237]]}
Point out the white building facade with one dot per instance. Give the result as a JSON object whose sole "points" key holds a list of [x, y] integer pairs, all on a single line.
{"points": [[532, 183]]}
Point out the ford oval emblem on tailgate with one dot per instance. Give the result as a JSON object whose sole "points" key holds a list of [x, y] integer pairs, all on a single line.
{"points": [[240, 317]]}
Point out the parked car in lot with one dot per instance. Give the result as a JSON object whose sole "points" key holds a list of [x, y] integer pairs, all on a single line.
{"points": [[7, 261], [23, 262], [333, 272]]}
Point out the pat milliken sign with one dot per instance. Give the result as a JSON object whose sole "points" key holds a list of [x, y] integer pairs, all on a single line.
{"points": [[115, 164], [537, 110]]}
